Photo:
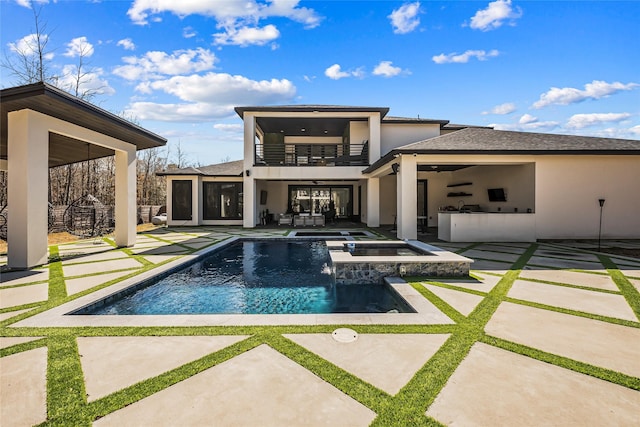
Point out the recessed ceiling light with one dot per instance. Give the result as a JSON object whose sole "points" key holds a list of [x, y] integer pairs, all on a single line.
{"points": [[303, 130], [326, 131]]}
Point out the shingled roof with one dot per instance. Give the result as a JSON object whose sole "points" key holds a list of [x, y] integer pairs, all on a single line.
{"points": [[490, 141], [234, 168]]}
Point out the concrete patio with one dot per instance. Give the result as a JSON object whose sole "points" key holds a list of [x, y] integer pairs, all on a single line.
{"points": [[543, 334]]}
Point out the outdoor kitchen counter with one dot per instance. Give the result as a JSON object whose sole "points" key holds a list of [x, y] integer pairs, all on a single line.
{"points": [[486, 227]]}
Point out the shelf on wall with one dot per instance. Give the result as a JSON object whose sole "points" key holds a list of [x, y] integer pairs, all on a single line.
{"points": [[460, 184], [459, 194]]}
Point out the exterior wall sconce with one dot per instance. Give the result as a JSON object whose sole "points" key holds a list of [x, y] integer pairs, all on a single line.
{"points": [[248, 172], [395, 167]]}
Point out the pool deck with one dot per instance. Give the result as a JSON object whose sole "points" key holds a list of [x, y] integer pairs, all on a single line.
{"points": [[544, 334]]}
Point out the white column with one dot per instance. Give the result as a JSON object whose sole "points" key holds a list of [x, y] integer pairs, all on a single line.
{"points": [[28, 169], [249, 186], [407, 198], [374, 137], [373, 202], [125, 212]]}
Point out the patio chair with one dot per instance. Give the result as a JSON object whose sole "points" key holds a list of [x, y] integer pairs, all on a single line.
{"points": [[285, 219]]}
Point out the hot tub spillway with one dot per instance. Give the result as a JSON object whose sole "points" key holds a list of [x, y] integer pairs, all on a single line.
{"points": [[366, 262]]}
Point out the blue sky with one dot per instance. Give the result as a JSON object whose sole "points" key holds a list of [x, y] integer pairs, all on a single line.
{"points": [[179, 67]]}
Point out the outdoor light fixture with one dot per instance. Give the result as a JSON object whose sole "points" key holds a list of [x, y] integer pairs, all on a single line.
{"points": [[395, 167], [303, 130], [248, 172], [601, 202]]}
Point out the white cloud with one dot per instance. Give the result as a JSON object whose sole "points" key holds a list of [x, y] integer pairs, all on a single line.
{"points": [[189, 32], [229, 128], [506, 108], [212, 95], [527, 119], [127, 44], [463, 58], [635, 130], [385, 69], [309, 79], [28, 45], [79, 47], [526, 123], [405, 18], [155, 64], [494, 15], [568, 95], [246, 36], [27, 3], [225, 12], [335, 72], [92, 82], [579, 121]]}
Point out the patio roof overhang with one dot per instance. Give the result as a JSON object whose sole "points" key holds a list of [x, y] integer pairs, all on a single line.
{"points": [[301, 121], [51, 101]]}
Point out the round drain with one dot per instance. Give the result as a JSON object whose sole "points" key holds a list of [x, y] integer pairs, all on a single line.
{"points": [[344, 335]]}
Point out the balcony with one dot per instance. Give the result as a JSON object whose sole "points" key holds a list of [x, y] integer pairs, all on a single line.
{"points": [[311, 154]]}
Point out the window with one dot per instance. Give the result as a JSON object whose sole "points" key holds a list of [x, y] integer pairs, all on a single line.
{"points": [[222, 200], [181, 200]]}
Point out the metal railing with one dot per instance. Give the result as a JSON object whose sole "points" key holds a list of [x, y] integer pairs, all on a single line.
{"points": [[311, 154]]}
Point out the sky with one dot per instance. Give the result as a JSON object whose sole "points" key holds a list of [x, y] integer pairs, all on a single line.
{"points": [[179, 67]]}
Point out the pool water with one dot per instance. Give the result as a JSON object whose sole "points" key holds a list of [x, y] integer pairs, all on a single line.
{"points": [[256, 277]]}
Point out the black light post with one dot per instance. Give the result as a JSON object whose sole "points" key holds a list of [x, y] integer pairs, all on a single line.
{"points": [[601, 201]]}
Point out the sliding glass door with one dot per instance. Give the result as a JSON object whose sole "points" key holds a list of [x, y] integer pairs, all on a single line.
{"points": [[317, 200]]}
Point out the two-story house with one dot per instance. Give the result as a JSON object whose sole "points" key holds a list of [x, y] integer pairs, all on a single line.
{"points": [[306, 165]]}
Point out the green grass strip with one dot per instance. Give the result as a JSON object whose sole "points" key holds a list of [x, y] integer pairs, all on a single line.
{"points": [[577, 313], [57, 288], [66, 395], [564, 362], [441, 304], [629, 291], [363, 392], [408, 407], [136, 392], [19, 348]]}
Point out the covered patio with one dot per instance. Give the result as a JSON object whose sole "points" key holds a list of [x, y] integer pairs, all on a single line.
{"points": [[43, 127]]}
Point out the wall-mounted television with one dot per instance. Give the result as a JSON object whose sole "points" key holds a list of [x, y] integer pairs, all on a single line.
{"points": [[497, 195]]}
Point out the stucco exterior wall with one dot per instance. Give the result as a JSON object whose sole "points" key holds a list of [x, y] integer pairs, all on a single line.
{"points": [[396, 135], [567, 193]]}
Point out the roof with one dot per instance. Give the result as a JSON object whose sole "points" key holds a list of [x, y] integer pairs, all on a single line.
{"points": [[402, 120], [489, 141], [54, 102], [234, 168], [302, 108]]}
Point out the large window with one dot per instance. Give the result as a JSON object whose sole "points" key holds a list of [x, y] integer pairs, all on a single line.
{"points": [[222, 200], [317, 200]]}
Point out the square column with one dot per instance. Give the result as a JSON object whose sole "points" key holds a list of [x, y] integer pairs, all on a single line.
{"points": [[249, 214], [28, 149], [373, 202], [125, 211], [407, 182]]}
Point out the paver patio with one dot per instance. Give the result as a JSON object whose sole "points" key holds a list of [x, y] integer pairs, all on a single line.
{"points": [[545, 334]]}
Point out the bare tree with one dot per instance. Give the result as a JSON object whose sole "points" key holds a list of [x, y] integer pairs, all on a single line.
{"points": [[29, 62]]}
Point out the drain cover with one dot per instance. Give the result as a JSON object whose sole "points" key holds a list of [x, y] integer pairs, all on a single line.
{"points": [[344, 335]]}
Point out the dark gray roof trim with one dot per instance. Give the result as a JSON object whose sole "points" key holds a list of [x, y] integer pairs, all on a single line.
{"points": [[234, 168], [311, 108], [15, 94], [488, 142], [403, 120]]}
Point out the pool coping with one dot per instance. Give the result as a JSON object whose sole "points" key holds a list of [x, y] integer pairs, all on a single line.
{"points": [[59, 316]]}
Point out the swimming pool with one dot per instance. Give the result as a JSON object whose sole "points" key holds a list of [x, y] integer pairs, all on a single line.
{"points": [[254, 277]]}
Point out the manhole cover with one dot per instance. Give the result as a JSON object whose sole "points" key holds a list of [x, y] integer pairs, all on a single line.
{"points": [[344, 335]]}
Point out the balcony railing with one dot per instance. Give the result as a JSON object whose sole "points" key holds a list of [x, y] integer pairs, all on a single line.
{"points": [[312, 154]]}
